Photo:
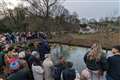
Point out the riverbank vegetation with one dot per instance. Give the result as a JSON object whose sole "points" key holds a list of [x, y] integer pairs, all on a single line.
{"points": [[49, 16], [52, 17]]}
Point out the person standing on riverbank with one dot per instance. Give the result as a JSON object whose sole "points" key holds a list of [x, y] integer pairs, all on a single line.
{"points": [[44, 47], [37, 70], [94, 60], [69, 73], [113, 72], [47, 65], [58, 68]]}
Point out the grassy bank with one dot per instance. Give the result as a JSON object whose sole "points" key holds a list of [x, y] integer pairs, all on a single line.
{"points": [[107, 40]]}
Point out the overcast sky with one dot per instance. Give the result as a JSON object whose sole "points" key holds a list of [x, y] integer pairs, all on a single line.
{"points": [[94, 8], [89, 8]]}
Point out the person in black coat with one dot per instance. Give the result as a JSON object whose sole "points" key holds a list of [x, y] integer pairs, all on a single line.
{"points": [[69, 73], [95, 61], [58, 68], [113, 71]]}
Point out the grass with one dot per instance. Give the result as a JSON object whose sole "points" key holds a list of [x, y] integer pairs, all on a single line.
{"points": [[107, 39]]}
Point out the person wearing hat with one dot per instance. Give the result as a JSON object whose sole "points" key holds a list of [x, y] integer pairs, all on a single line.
{"points": [[113, 71], [36, 54], [22, 60]]}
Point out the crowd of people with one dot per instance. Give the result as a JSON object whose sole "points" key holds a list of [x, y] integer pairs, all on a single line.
{"points": [[101, 67], [15, 37], [24, 59]]}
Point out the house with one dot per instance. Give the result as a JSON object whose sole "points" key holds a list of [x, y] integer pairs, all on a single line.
{"points": [[87, 29]]}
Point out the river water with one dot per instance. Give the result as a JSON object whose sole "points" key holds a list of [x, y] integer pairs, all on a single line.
{"points": [[73, 54]]}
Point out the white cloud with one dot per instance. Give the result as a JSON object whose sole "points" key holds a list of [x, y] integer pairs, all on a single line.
{"points": [[13, 3]]}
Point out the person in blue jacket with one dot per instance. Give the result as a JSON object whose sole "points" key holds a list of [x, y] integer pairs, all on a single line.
{"points": [[43, 47]]}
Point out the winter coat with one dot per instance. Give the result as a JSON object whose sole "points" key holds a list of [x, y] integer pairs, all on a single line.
{"points": [[47, 65], [37, 72], [69, 74], [94, 64]]}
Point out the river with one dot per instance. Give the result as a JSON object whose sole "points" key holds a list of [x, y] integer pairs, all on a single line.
{"points": [[73, 54]]}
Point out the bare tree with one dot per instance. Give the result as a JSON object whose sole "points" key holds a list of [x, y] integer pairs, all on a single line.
{"points": [[42, 7], [60, 13], [15, 17], [3, 8]]}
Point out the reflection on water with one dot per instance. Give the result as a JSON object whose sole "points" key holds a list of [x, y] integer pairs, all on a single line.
{"points": [[73, 54]]}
